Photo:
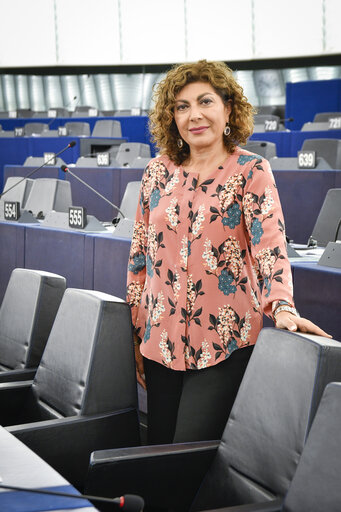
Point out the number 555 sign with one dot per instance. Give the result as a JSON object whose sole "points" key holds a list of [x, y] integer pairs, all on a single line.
{"points": [[77, 217]]}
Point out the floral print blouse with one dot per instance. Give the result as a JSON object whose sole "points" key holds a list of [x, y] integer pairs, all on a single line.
{"points": [[206, 260]]}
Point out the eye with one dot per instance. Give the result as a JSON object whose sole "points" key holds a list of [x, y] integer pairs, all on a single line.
{"points": [[206, 101], [181, 107]]}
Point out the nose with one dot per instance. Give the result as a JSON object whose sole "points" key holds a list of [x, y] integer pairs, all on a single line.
{"points": [[196, 113]]}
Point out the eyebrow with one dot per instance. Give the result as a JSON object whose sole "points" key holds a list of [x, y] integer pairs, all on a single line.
{"points": [[198, 98]]}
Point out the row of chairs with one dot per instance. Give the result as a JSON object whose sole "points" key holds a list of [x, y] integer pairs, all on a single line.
{"points": [[43, 195], [79, 111], [328, 153], [102, 128], [67, 373], [280, 443], [127, 154]]}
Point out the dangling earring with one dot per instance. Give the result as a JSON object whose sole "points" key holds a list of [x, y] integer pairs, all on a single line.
{"points": [[180, 143], [227, 130]]}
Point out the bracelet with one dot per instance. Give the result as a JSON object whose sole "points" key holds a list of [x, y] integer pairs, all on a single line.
{"points": [[290, 309]]}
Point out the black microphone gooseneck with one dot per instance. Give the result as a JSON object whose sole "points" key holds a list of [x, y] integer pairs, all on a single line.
{"points": [[128, 502], [66, 169], [70, 145]]}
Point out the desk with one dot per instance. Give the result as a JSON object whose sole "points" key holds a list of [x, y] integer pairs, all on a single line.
{"points": [[19, 466], [15, 150], [99, 261], [134, 128], [317, 295], [109, 181], [302, 194]]}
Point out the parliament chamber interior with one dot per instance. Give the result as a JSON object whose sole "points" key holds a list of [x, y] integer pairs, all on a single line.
{"points": [[73, 149]]}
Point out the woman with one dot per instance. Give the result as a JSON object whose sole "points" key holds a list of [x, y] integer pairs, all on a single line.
{"points": [[208, 255]]}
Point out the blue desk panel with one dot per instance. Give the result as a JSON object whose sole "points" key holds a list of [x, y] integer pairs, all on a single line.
{"points": [[110, 264], [317, 295], [68, 253], [15, 150], [106, 181], [281, 139], [305, 99], [302, 194], [12, 251]]}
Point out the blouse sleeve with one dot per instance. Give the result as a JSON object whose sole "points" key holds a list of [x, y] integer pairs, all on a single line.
{"points": [[137, 256], [266, 231]]}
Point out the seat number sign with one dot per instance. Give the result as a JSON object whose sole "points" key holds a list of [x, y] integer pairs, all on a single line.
{"points": [[77, 217], [306, 159], [271, 125], [334, 123], [103, 159], [11, 210]]}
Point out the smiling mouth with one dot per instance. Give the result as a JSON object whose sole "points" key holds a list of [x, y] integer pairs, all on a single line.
{"points": [[199, 129]]}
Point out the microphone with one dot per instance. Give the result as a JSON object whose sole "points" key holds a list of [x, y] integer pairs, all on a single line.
{"points": [[70, 145], [127, 502], [67, 170]]}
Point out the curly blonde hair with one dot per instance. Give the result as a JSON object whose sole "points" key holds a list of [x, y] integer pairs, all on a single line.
{"points": [[161, 118]]}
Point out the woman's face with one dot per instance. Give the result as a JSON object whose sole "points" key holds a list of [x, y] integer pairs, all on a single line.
{"points": [[200, 115]]}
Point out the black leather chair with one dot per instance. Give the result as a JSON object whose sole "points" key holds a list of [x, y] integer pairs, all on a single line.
{"points": [[27, 313], [264, 437], [84, 394], [316, 483]]}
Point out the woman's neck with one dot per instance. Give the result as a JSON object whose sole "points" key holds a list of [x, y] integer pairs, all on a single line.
{"points": [[204, 159]]}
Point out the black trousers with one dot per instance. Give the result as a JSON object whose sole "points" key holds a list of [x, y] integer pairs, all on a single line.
{"points": [[193, 405]]}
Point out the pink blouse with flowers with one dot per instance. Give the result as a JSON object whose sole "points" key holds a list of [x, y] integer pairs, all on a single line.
{"points": [[206, 260]]}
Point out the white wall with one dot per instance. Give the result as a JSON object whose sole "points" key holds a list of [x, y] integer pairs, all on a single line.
{"points": [[111, 32]]}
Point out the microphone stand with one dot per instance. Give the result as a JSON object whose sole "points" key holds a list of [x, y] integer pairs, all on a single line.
{"points": [[132, 500], [71, 145], [67, 170]]}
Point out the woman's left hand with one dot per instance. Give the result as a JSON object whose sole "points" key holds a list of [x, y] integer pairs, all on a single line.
{"points": [[286, 320]]}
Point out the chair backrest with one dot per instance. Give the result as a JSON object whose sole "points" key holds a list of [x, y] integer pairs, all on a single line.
{"points": [[77, 128], [88, 364], [329, 149], [327, 223], [107, 128], [262, 148], [291, 164], [316, 484], [88, 161], [27, 313], [128, 151], [321, 117], [36, 161], [35, 128], [140, 162], [130, 199], [49, 194], [270, 419], [84, 111], [20, 192]]}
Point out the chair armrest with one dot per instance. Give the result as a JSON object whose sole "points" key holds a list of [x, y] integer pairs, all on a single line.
{"points": [[266, 506], [66, 443], [13, 399], [18, 375], [164, 475]]}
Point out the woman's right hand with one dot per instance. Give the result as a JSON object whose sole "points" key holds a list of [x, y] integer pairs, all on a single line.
{"points": [[139, 363]]}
